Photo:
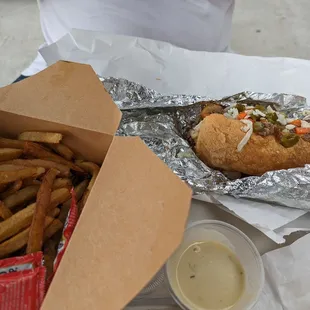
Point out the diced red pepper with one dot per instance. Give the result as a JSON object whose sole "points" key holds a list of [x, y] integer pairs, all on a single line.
{"points": [[242, 115], [296, 122], [302, 131]]}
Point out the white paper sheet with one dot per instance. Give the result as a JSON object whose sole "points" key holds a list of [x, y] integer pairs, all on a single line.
{"points": [[169, 69], [272, 220], [287, 278]]}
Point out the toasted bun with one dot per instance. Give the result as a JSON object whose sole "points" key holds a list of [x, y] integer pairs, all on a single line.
{"points": [[217, 147]]}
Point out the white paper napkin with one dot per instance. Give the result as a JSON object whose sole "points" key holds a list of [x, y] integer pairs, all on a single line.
{"points": [[287, 285], [269, 219]]}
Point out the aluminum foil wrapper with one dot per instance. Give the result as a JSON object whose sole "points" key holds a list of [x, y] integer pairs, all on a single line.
{"points": [[164, 122]]}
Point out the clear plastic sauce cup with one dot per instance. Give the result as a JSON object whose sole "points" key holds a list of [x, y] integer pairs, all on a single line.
{"points": [[242, 248]]}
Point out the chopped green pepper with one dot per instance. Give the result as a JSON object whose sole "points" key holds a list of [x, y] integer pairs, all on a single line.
{"points": [[260, 108], [280, 127], [240, 107], [258, 126], [289, 140], [253, 117], [272, 117]]}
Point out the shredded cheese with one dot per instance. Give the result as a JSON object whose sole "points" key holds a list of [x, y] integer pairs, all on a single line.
{"points": [[232, 113], [281, 119], [305, 124], [249, 130], [258, 113], [195, 131], [290, 126], [270, 109]]}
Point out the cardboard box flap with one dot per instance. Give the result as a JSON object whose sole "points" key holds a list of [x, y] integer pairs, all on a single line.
{"points": [[133, 221], [66, 93]]}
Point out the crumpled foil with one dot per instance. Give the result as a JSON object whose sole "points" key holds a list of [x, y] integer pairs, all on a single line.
{"points": [[164, 121]]}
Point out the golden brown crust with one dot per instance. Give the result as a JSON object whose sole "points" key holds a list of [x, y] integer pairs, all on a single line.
{"points": [[217, 147]]}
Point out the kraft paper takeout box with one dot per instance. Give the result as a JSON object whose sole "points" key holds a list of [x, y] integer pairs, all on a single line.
{"points": [[136, 213]]}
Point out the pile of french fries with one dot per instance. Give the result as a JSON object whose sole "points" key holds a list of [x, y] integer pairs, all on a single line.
{"points": [[37, 173]]}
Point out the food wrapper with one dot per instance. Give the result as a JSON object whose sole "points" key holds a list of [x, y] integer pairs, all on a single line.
{"points": [[22, 289], [164, 122], [20, 263], [22, 282]]}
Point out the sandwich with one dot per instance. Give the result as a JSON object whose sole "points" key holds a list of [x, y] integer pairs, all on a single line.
{"points": [[251, 140]]}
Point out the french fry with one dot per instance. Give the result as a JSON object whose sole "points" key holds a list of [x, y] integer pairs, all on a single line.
{"points": [[35, 241], [52, 229], [16, 223], [23, 218], [62, 150], [58, 197], [54, 213], [31, 182], [82, 202], [3, 187], [38, 165], [22, 196], [49, 258], [5, 212], [62, 182], [64, 211], [16, 186], [50, 247], [19, 241], [7, 166], [50, 252], [64, 171], [12, 176], [79, 191], [79, 157], [7, 154], [44, 137], [93, 169], [40, 152], [10, 143]]}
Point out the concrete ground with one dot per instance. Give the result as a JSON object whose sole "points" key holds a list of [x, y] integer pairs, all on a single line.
{"points": [[265, 28]]}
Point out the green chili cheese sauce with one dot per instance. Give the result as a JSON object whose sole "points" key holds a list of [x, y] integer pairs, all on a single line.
{"points": [[210, 276]]}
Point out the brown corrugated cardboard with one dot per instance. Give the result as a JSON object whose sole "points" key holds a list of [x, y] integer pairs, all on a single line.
{"points": [[66, 93], [69, 97], [133, 221], [135, 215]]}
